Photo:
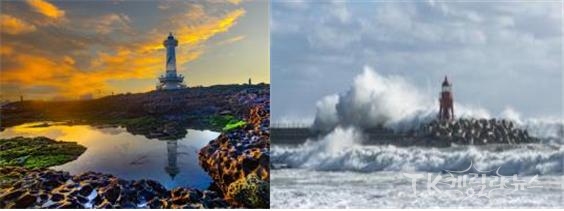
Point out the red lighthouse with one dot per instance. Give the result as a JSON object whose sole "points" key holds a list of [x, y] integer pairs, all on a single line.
{"points": [[446, 110]]}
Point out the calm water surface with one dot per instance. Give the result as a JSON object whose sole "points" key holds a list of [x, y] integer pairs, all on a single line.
{"points": [[118, 152]]}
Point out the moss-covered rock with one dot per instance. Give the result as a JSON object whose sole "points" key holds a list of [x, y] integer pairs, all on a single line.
{"points": [[251, 192], [226, 122], [231, 126], [38, 152]]}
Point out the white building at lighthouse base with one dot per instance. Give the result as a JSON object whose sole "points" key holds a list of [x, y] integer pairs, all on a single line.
{"points": [[168, 82]]}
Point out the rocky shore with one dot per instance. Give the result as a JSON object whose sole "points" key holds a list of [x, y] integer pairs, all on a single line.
{"points": [[476, 132], [157, 114], [45, 188], [238, 160]]}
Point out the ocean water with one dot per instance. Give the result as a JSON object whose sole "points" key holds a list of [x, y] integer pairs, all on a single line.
{"points": [[303, 188], [337, 171]]}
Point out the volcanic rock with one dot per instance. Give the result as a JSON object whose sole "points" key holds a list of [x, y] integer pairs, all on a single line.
{"points": [[238, 160], [25, 201], [110, 192]]}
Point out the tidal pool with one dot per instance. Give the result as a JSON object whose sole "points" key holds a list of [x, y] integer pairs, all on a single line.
{"points": [[118, 152]]}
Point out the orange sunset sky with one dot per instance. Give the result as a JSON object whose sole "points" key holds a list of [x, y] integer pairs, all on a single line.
{"points": [[53, 50]]}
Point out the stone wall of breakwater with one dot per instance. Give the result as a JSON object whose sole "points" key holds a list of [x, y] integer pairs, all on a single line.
{"points": [[432, 134], [476, 132]]}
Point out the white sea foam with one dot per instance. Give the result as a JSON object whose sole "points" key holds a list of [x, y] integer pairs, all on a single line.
{"points": [[341, 150], [301, 188]]}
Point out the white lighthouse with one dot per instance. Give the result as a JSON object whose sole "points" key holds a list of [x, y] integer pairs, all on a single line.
{"points": [[172, 167], [171, 80]]}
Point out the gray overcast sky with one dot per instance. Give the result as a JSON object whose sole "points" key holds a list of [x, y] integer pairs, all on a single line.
{"points": [[497, 54]]}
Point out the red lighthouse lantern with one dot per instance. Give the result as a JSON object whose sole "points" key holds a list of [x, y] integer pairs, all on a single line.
{"points": [[446, 110]]}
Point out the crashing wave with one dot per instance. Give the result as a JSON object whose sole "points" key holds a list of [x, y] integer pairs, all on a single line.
{"points": [[376, 100], [341, 150]]}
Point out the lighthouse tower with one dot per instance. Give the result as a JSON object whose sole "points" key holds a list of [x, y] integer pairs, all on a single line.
{"points": [[172, 168], [170, 80], [446, 110]]}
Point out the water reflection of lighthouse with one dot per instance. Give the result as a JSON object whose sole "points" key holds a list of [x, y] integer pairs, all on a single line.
{"points": [[172, 167]]}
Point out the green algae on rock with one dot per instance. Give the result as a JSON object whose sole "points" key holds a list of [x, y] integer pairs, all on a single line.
{"points": [[37, 152], [251, 191]]}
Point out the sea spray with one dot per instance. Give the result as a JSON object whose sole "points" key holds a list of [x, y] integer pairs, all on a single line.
{"points": [[326, 117], [550, 130], [324, 153], [373, 100], [376, 100]]}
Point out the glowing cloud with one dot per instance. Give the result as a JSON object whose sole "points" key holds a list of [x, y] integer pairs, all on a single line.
{"points": [[46, 8], [12, 25], [191, 35]]}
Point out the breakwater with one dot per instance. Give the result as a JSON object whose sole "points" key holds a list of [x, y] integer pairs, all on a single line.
{"points": [[433, 134]]}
